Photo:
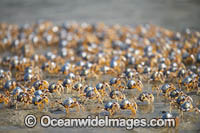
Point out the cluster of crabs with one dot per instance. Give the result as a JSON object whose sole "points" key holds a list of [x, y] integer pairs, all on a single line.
{"points": [[72, 54]]}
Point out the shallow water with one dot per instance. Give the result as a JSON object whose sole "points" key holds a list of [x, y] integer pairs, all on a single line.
{"points": [[172, 14]]}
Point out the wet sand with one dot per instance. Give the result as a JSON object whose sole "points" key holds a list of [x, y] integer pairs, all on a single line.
{"points": [[12, 120]]}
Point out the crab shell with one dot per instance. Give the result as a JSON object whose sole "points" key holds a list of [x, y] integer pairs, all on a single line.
{"points": [[67, 82], [114, 92], [91, 94], [80, 63], [36, 99], [130, 74], [28, 76], [28, 70], [167, 115], [175, 93], [65, 68], [130, 84], [88, 65], [88, 88], [165, 87], [143, 95], [187, 80], [113, 81], [154, 75], [105, 69], [147, 70], [2, 74], [20, 96], [78, 86], [124, 103], [38, 93], [85, 72], [45, 84], [71, 76], [108, 105], [9, 84], [113, 64], [181, 73], [186, 106], [68, 102], [37, 84], [182, 98], [17, 91], [52, 87], [99, 86]]}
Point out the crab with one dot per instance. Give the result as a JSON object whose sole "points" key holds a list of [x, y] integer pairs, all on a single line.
{"points": [[79, 65], [27, 50], [30, 78], [117, 95], [65, 68], [10, 85], [74, 78], [115, 81], [78, 87], [165, 89], [181, 74], [24, 63], [41, 85], [23, 97], [38, 93], [88, 73], [40, 101], [93, 94], [128, 105], [112, 107], [71, 76], [4, 76], [117, 64], [38, 58], [51, 67], [135, 84], [188, 58], [16, 92], [67, 83], [29, 74], [157, 76], [174, 94], [56, 88], [166, 115], [129, 75], [6, 61], [70, 103], [190, 82], [146, 96], [188, 107], [179, 100], [183, 98], [88, 88], [4, 99], [101, 87], [105, 70], [169, 115]]}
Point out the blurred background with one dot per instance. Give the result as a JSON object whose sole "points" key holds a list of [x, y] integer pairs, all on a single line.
{"points": [[172, 14]]}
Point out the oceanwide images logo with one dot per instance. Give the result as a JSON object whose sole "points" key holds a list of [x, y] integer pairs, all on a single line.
{"points": [[93, 122]]}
